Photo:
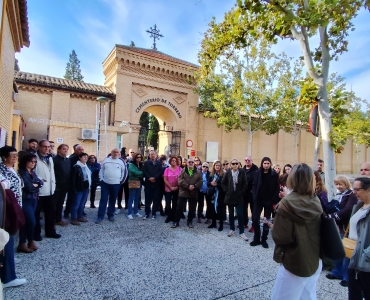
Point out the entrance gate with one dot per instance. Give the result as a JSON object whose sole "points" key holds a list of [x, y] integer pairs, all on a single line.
{"points": [[175, 143]]}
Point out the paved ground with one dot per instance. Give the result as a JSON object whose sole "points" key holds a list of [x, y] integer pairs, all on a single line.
{"points": [[137, 259]]}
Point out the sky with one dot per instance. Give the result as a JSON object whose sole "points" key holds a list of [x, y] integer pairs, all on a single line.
{"points": [[93, 27]]}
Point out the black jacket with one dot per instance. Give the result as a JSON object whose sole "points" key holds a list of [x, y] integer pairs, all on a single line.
{"points": [[273, 190], [250, 175], [151, 169], [221, 192], [349, 200], [29, 191], [234, 197], [62, 170], [78, 184]]}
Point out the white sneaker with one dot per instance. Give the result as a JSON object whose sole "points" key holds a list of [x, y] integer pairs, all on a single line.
{"points": [[244, 237], [139, 215], [15, 282], [231, 233], [130, 217], [117, 211], [144, 218]]}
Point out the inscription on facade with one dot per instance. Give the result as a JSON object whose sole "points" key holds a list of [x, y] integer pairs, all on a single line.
{"points": [[159, 101]]}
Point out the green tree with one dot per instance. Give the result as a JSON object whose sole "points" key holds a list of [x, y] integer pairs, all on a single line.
{"points": [[73, 70], [132, 44], [300, 20], [152, 138], [16, 65]]}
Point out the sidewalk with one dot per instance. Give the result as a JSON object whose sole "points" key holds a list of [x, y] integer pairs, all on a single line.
{"points": [[137, 259]]}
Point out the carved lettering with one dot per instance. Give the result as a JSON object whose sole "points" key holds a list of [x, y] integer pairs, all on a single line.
{"points": [[162, 101]]}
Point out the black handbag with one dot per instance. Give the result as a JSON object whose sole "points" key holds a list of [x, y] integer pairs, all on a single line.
{"points": [[331, 207], [211, 191], [331, 243]]}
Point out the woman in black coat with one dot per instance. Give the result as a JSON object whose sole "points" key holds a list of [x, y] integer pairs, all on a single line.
{"points": [[215, 203], [30, 195], [234, 183]]}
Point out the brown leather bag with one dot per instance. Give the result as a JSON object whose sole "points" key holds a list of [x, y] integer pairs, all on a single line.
{"points": [[134, 184], [348, 244]]}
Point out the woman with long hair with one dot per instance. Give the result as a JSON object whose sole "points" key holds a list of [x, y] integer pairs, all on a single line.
{"points": [[277, 169], [215, 203], [287, 168], [135, 173], [171, 187], [30, 196], [198, 163], [320, 189], [296, 232]]}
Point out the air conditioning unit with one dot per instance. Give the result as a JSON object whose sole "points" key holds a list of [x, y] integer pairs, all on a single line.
{"points": [[89, 134]]}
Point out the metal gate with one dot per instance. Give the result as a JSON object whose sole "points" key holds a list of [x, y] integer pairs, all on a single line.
{"points": [[175, 143]]}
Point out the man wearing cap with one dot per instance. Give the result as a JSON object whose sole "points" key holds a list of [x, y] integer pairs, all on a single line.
{"points": [[203, 190]]}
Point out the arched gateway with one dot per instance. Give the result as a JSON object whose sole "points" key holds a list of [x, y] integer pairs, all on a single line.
{"points": [[148, 80]]}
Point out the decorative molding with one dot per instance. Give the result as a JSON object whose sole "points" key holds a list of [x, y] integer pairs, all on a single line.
{"points": [[179, 99], [140, 92], [158, 88]]}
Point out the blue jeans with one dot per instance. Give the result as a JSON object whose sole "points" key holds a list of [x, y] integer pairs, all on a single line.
{"points": [[134, 196], [8, 269], [341, 267], [78, 204], [29, 208], [107, 191]]}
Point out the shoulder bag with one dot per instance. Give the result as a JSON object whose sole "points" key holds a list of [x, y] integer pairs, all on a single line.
{"points": [[348, 244], [331, 243], [134, 184]]}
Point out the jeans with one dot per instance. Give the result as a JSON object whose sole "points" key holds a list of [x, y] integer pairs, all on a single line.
{"points": [[78, 204], [180, 206], [29, 206], [290, 286], [134, 199], [152, 192], [171, 204], [107, 191], [358, 288], [59, 197], [45, 203], [257, 210], [239, 212], [8, 269]]}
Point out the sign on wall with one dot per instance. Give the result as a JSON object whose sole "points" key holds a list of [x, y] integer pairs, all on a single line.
{"points": [[60, 140], [212, 151], [159, 101]]}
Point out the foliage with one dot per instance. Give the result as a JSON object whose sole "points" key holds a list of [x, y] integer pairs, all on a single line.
{"points": [[73, 70], [132, 44], [16, 65], [152, 138]]}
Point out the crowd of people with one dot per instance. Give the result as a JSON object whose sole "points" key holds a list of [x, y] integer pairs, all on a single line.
{"points": [[294, 196]]}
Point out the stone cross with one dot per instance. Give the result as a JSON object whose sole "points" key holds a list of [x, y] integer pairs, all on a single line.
{"points": [[154, 33]]}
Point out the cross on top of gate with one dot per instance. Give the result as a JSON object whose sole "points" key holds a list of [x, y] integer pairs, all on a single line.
{"points": [[154, 33]]}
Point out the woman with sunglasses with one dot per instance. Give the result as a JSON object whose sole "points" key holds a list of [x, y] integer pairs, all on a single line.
{"points": [[30, 195], [135, 173], [94, 167], [234, 183], [198, 163], [226, 166]]}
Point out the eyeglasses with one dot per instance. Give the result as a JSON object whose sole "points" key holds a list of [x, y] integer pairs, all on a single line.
{"points": [[357, 189], [132, 152], [247, 160], [196, 160], [234, 164], [13, 155], [225, 164]]}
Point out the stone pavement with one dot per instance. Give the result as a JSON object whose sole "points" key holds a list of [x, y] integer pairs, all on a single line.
{"points": [[146, 259]]}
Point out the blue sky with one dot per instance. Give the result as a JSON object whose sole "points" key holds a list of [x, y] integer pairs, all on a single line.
{"points": [[93, 27]]}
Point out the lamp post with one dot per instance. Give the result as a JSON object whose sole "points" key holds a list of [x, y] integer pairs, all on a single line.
{"points": [[101, 120]]}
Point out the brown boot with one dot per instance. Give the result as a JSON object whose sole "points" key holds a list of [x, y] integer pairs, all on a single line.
{"points": [[75, 222], [32, 245], [23, 248], [83, 220], [199, 220]]}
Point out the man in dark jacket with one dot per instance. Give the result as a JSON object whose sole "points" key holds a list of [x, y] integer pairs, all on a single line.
{"points": [[62, 169], [152, 170], [250, 169], [265, 190], [32, 148]]}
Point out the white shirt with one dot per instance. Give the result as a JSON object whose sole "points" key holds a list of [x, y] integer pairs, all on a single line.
{"points": [[353, 223], [112, 170]]}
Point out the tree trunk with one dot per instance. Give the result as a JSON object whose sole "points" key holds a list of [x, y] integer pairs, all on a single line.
{"points": [[329, 156], [250, 140]]}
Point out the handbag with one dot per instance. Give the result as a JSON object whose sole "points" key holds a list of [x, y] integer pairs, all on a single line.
{"points": [[331, 243], [348, 244], [211, 191], [332, 207], [134, 184]]}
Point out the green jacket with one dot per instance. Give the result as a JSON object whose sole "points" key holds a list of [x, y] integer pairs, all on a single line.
{"points": [[296, 233], [134, 173]]}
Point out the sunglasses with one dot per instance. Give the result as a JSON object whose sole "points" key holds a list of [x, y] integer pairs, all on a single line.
{"points": [[225, 164], [190, 162], [205, 167], [234, 164], [247, 160], [196, 160], [33, 161], [138, 157]]}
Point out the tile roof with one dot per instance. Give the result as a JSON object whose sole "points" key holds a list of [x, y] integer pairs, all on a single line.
{"points": [[36, 79], [157, 54], [24, 22]]}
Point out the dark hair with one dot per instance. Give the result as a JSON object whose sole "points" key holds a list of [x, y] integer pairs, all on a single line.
{"points": [[32, 141], [287, 165], [92, 156], [4, 151], [163, 157], [283, 178], [197, 157], [62, 145], [44, 140], [265, 159], [135, 156], [83, 154], [173, 157], [74, 146], [25, 159], [365, 182], [320, 160]]}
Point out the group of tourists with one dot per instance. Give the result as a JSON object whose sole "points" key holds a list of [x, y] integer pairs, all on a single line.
{"points": [[294, 196]]}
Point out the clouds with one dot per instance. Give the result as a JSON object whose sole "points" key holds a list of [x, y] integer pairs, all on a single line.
{"points": [[93, 27]]}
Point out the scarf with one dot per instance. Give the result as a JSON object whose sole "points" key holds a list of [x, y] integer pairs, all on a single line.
{"points": [[235, 177], [215, 195], [85, 171], [190, 171], [339, 196]]}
